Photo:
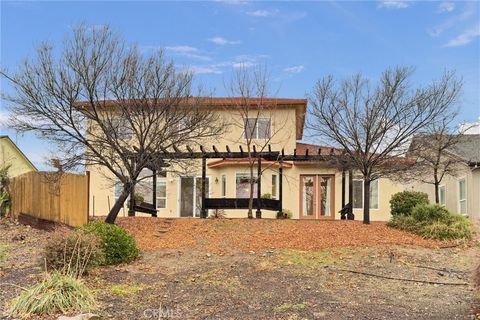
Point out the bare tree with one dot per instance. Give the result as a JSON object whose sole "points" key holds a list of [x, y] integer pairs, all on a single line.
{"points": [[249, 94], [103, 103], [374, 125], [433, 150]]}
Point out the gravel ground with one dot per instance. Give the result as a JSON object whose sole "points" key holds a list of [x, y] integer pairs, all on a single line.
{"points": [[264, 282]]}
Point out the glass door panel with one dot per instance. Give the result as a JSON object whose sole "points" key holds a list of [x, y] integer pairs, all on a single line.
{"points": [[186, 196], [308, 196], [325, 194]]}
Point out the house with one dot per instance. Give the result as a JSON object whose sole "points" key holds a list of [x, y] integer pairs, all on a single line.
{"points": [[459, 191], [311, 189], [11, 155]]}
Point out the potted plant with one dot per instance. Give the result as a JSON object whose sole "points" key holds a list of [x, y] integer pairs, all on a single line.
{"points": [[138, 199]]}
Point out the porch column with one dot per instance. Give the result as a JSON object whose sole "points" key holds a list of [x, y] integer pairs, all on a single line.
{"points": [[280, 186], [154, 191], [350, 194], [343, 188], [258, 213], [203, 211]]}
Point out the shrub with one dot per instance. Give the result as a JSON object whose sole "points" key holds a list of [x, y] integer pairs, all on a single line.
{"points": [[433, 222], [284, 214], [118, 245], [73, 253], [267, 196], [403, 202], [56, 293]]}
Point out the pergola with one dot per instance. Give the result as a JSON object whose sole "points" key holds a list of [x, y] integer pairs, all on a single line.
{"points": [[259, 203]]}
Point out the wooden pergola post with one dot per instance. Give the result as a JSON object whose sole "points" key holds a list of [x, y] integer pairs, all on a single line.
{"points": [[154, 191], [203, 211], [258, 213], [350, 193], [280, 187]]}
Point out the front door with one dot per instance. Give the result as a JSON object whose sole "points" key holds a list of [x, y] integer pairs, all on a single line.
{"points": [[191, 196], [317, 197]]}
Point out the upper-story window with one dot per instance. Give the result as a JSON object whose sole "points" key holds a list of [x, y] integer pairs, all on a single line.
{"points": [[257, 128]]}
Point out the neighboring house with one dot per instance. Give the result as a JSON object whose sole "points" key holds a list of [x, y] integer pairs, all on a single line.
{"points": [[311, 190], [11, 155], [460, 191]]}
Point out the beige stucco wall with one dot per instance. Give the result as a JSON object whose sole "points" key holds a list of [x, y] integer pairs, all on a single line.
{"points": [[102, 191], [283, 137], [9, 155], [472, 178]]}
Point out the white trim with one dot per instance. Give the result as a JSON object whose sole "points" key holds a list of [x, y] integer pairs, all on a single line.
{"points": [[255, 137], [445, 191], [223, 176], [363, 193], [162, 179], [276, 187], [235, 183], [464, 178], [179, 197]]}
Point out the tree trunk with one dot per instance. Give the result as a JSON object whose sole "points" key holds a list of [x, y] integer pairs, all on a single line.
{"points": [[366, 200], [436, 184], [250, 199], [112, 215]]}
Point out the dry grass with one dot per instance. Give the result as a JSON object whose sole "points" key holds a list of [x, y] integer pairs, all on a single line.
{"points": [[225, 235]]}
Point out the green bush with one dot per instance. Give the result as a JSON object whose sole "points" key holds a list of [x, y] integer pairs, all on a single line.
{"points": [[118, 245], [73, 253], [284, 214], [433, 222], [57, 293], [403, 202]]}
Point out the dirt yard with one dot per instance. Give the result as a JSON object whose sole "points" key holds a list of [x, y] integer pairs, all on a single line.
{"points": [[241, 269]]}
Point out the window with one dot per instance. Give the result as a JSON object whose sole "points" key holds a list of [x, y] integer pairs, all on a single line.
{"points": [[161, 193], [257, 128], [358, 193], [442, 195], [274, 186], [224, 186], [242, 186], [462, 196]]}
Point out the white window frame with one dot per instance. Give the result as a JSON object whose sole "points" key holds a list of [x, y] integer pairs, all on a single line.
{"points": [[255, 131], [276, 187], [223, 186], [465, 199], [162, 179], [363, 194], [235, 184], [444, 204], [179, 191]]}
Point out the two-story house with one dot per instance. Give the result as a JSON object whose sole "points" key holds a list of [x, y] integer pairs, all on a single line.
{"points": [[311, 189]]}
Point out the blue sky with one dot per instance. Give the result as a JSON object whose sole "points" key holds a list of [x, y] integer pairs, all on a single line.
{"points": [[299, 42]]}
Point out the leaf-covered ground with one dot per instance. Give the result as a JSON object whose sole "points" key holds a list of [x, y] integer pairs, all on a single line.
{"points": [[240, 269], [224, 235]]}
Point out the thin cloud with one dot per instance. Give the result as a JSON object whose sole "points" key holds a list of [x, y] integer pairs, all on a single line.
{"points": [[394, 4], [239, 61], [294, 69], [446, 7], [465, 37], [222, 41], [262, 13], [188, 51], [469, 11]]}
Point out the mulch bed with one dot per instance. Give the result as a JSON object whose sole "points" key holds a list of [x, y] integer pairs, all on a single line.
{"points": [[224, 235]]}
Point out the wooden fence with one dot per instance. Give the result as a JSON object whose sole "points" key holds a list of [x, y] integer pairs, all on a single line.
{"points": [[45, 196]]}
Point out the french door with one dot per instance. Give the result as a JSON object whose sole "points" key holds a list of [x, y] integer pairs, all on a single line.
{"points": [[191, 196], [317, 195]]}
